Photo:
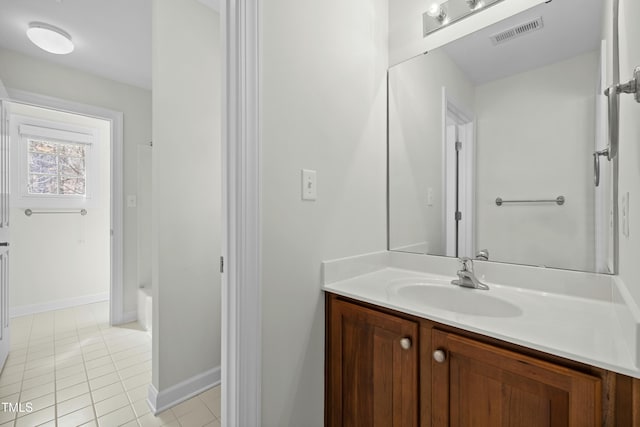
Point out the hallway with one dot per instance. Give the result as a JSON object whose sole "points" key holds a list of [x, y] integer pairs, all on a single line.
{"points": [[74, 369]]}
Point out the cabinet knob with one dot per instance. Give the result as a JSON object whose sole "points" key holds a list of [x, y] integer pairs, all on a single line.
{"points": [[405, 343], [439, 356]]}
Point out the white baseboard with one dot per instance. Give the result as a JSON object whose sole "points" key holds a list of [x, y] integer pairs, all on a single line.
{"points": [[25, 310], [162, 400], [129, 316], [152, 399]]}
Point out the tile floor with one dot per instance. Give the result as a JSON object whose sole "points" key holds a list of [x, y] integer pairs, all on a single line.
{"points": [[73, 369]]}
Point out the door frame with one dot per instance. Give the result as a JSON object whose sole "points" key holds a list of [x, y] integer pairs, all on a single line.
{"points": [[465, 119], [5, 233], [116, 301], [241, 214]]}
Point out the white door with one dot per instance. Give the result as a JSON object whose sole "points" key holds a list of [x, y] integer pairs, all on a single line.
{"points": [[4, 227]]}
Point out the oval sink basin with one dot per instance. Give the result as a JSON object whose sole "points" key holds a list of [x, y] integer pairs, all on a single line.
{"points": [[454, 298]]}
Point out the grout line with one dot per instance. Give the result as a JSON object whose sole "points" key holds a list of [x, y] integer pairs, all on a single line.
{"points": [[55, 376], [86, 374], [117, 372], [135, 415], [26, 355], [79, 348]]}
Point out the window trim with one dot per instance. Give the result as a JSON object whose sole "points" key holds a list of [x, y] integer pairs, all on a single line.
{"points": [[24, 128]]}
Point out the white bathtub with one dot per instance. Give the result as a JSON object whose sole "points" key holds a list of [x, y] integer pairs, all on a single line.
{"points": [[145, 308]]}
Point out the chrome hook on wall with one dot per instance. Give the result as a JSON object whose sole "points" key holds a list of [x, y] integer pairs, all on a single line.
{"points": [[596, 165], [631, 87]]}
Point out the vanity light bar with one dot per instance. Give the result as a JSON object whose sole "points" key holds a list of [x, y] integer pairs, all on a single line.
{"points": [[440, 14]]}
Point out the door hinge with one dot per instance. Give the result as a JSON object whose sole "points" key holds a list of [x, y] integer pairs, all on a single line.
{"points": [[458, 216], [221, 264], [458, 145]]}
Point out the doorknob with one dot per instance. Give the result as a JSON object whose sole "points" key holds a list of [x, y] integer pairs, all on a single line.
{"points": [[4, 243], [631, 87]]}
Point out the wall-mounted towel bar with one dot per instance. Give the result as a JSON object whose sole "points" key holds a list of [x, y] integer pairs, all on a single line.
{"points": [[558, 200], [29, 212]]}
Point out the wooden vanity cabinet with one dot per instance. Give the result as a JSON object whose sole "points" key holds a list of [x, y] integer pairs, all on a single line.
{"points": [[475, 384], [372, 368], [449, 377]]}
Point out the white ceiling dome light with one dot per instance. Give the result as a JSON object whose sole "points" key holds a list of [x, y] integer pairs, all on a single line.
{"points": [[50, 38]]}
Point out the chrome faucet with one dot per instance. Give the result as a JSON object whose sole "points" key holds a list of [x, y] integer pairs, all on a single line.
{"points": [[467, 278]]}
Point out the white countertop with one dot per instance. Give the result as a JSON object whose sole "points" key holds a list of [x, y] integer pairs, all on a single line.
{"points": [[581, 328]]}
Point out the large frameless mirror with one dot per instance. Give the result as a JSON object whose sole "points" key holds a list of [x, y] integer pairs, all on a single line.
{"points": [[492, 140]]}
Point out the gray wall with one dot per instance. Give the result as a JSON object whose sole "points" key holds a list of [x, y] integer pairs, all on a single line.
{"points": [[525, 150], [629, 150], [186, 191], [324, 108]]}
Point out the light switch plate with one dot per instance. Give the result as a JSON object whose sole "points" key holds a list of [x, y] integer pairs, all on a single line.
{"points": [[132, 201], [309, 185]]}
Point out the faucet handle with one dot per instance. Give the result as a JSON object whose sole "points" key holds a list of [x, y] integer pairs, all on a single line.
{"points": [[467, 263], [483, 254]]}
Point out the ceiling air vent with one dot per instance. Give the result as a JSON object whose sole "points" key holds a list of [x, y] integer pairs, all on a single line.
{"points": [[517, 31]]}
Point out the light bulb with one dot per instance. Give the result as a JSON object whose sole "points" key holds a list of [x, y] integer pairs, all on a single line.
{"points": [[434, 10], [437, 12], [475, 4]]}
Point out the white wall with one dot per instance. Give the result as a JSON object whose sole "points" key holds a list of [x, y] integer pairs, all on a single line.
{"points": [[57, 258], [416, 148], [22, 72], [405, 26], [324, 108], [186, 175], [629, 149], [518, 158]]}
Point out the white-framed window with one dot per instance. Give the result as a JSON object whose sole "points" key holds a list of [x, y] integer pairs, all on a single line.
{"points": [[54, 164]]}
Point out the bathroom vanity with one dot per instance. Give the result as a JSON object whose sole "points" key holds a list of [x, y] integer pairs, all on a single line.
{"points": [[498, 150], [423, 373], [404, 347]]}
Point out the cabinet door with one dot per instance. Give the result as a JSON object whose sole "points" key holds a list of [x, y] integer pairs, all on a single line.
{"points": [[476, 384], [372, 375]]}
